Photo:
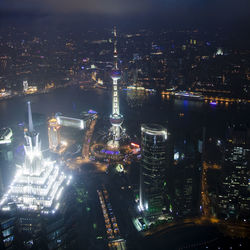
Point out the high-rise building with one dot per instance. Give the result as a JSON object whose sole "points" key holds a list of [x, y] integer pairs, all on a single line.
{"points": [[6, 135], [38, 182], [185, 176], [25, 86], [54, 134], [116, 119], [234, 198], [6, 157], [70, 121], [153, 168], [185, 187], [8, 227]]}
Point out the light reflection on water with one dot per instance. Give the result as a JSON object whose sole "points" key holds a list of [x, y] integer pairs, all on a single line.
{"points": [[136, 109]]}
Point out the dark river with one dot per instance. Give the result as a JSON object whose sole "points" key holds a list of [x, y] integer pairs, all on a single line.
{"points": [[136, 109]]}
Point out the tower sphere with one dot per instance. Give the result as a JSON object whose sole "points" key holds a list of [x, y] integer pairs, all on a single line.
{"points": [[116, 120], [116, 74]]}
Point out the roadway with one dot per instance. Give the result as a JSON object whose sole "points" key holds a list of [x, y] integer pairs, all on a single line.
{"points": [[205, 201], [112, 229], [241, 230], [78, 162], [87, 140]]}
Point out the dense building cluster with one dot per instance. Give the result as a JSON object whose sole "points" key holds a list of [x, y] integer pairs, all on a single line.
{"points": [[233, 197], [159, 179], [160, 59]]}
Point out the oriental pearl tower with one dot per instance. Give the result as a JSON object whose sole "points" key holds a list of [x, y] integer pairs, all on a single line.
{"points": [[116, 119]]}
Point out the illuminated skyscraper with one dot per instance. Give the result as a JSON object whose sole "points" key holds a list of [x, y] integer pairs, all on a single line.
{"points": [[25, 86], [116, 119], [234, 198], [70, 121], [54, 134], [38, 182], [153, 168]]}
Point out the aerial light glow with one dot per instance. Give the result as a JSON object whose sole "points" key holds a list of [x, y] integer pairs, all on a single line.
{"points": [[6, 141], [163, 132], [91, 111], [38, 182], [6, 136], [64, 143], [119, 168], [214, 103], [70, 122], [176, 156], [135, 145], [219, 52], [140, 208]]}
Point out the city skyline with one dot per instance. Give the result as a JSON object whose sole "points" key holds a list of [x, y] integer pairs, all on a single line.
{"points": [[139, 133]]}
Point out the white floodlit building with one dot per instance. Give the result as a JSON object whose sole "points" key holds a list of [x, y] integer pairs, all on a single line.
{"points": [[38, 182], [70, 122], [25, 86], [6, 136]]}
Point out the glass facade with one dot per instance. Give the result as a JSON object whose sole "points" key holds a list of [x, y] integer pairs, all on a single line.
{"points": [[233, 200], [153, 167]]}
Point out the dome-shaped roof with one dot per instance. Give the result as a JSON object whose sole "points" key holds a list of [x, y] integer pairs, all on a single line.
{"points": [[115, 73]]}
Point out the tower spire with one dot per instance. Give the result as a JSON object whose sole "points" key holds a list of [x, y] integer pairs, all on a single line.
{"points": [[116, 119], [31, 127], [115, 48]]}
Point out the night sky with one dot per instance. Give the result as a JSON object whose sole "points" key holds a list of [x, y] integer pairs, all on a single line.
{"points": [[178, 10]]}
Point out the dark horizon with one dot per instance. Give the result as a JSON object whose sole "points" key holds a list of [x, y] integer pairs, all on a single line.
{"points": [[207, 14]]}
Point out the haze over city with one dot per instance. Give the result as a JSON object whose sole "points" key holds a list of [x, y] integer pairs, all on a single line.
{"points": [[124, 124]]}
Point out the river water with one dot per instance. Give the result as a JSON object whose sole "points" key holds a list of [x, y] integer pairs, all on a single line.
{"points": [[136, 109]]}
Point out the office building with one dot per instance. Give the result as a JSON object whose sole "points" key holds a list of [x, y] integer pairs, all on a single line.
{"points": [[234, 198], [53, 134], [6, 135], [153, 168], [38, 182], [70, 122]]}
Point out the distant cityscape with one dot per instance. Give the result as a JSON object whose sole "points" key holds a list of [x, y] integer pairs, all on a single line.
{"points": [[157, 174], [186, 60]]}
